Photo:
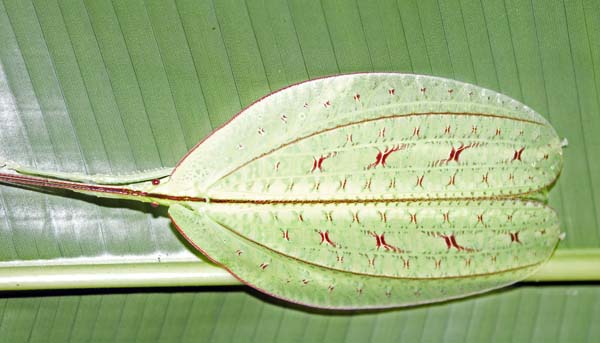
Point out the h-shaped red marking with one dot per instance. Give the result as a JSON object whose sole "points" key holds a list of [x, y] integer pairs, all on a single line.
{"points": [[517, 155], [318, 162], [286, 235], [452, 180], [416, 131], [325, 238], [380, 242], [381, 157], [455, 153], [451, 243], [371, 261], [413, 217], [355, 217], [420, 181], [514, 237]]}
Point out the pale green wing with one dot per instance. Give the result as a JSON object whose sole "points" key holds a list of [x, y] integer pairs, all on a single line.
{"points": [[307, 284], [374, 136], [400, 239], [391, 180]]}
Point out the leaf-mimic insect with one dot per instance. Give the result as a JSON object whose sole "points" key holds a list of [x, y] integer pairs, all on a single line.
{"points": [[361, 191]]}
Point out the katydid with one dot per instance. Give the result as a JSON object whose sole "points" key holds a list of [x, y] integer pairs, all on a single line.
{"points": [[358, 191]]}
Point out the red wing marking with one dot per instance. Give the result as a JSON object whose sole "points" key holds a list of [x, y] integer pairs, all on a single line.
{"points": [[498, 132], [438, 264], [316, 185], [264, 265], [349, 138], [446, 217], [371, 261], [381, 243], [484, 179], [156, 182], [514, 237], [383, 216], [377, 160], [447, 129], [343, 183], [405, 263], [392, 184], [328, 216], [517, 154], [447, 241], [423, 90], [318, 162], [455, 153], [474, 129], [480, 218], [326, 104], [355, 217], [413, 217], [468, 262], [381, 158], [387, 153], [377, 239], [391, 91], [356, 97], [451, 243], [315, 164], [286, 235], [300, 217], [452, 180], [416, 131], [325, 238], [420, 181], [368, 184], [381, 132], [277, 165]]}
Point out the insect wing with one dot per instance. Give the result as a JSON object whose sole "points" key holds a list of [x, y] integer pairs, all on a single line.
{"points": [[304, 141], [311, 285]]}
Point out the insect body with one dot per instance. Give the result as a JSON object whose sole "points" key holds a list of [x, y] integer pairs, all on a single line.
{"points": [[362, 191]]}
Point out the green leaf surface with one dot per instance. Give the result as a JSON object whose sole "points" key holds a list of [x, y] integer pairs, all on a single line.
{"points": [[113, 87]]}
